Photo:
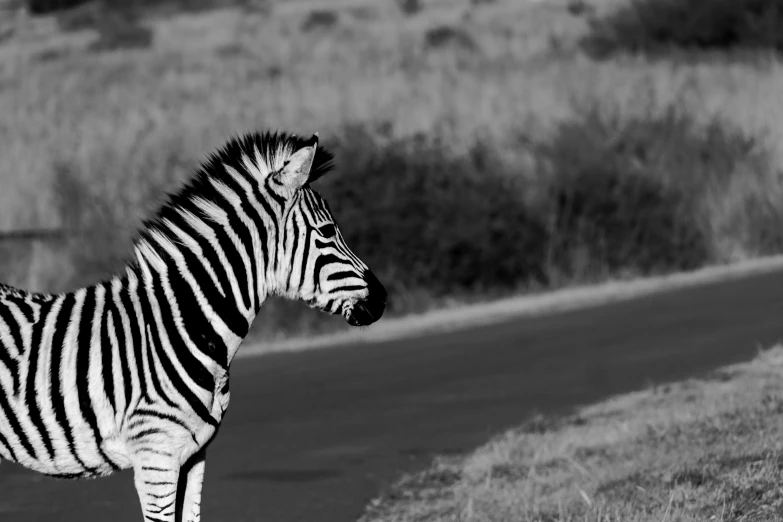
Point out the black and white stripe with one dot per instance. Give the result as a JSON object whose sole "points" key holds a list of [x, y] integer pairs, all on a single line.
{"points": [[133, 372]]}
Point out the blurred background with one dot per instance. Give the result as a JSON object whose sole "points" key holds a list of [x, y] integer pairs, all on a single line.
{"points": [[483, 147]]}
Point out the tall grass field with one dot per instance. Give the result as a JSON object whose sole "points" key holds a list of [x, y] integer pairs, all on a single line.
{"points": [[483, 148]]}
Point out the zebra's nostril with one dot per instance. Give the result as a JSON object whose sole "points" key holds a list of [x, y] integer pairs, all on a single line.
{"points": [[364, 313]]}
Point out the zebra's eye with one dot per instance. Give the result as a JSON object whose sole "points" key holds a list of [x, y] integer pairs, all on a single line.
{"points": [[327, 230]]}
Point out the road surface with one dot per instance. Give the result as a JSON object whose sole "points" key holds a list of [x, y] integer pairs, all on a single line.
{"points": [[314, 435]]}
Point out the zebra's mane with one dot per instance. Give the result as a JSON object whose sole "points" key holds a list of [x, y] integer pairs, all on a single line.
{"points": [[271, 148]]}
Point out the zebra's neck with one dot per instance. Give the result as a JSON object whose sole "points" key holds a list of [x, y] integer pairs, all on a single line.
{"points": [[206, 270], [213, 248]]}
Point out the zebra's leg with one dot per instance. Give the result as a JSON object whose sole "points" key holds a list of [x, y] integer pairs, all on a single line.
{"points": [[156, 475], [192, 480]]}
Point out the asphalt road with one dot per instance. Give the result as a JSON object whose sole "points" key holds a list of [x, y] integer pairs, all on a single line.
{"points": [[314, 435]]}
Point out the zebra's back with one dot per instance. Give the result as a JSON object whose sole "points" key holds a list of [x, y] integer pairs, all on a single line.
{"points": [[50, 398]]}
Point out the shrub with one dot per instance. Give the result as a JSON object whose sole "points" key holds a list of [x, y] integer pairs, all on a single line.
{"points": [[430, 220], [319, 19], [116, 37], [409, 7], [579, 7], [41, 7], [82, 14], [638, 191], [118, 27], [445, 36], [609, 192], [654, 26]]}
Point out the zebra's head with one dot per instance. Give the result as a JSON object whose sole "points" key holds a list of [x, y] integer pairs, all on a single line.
{"points": [[323, 272]]}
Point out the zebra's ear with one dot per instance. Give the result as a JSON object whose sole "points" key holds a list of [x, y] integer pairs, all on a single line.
{"points": [[296, 171]]}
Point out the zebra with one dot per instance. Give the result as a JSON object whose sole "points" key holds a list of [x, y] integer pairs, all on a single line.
{"points": [[133, 372]]}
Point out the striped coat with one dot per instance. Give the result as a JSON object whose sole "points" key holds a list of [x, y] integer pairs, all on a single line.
{"points": [[133, 372]]}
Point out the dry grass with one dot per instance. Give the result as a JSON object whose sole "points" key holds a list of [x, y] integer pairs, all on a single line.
{"points": [[129, 113], [131, 119], [703, 449]]}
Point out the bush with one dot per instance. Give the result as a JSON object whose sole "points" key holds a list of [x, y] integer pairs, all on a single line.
{"points": [[654, 26], [41, 7], [118, 27], [608, 193], [610, 218], [637, 191], [426, 219], [122, 37], [410, 7], [445, 36], [320, 19], [85, 14]]}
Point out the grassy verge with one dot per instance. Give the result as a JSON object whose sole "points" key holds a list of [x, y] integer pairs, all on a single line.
{"points": [[702, 449], [480, 151]]}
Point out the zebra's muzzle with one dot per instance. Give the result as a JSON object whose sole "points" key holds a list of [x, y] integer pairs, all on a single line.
{"points": [[362, 315], [370, 309]]}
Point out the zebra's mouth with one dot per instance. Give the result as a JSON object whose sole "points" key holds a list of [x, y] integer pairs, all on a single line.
{"points": [[364, 313]]}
